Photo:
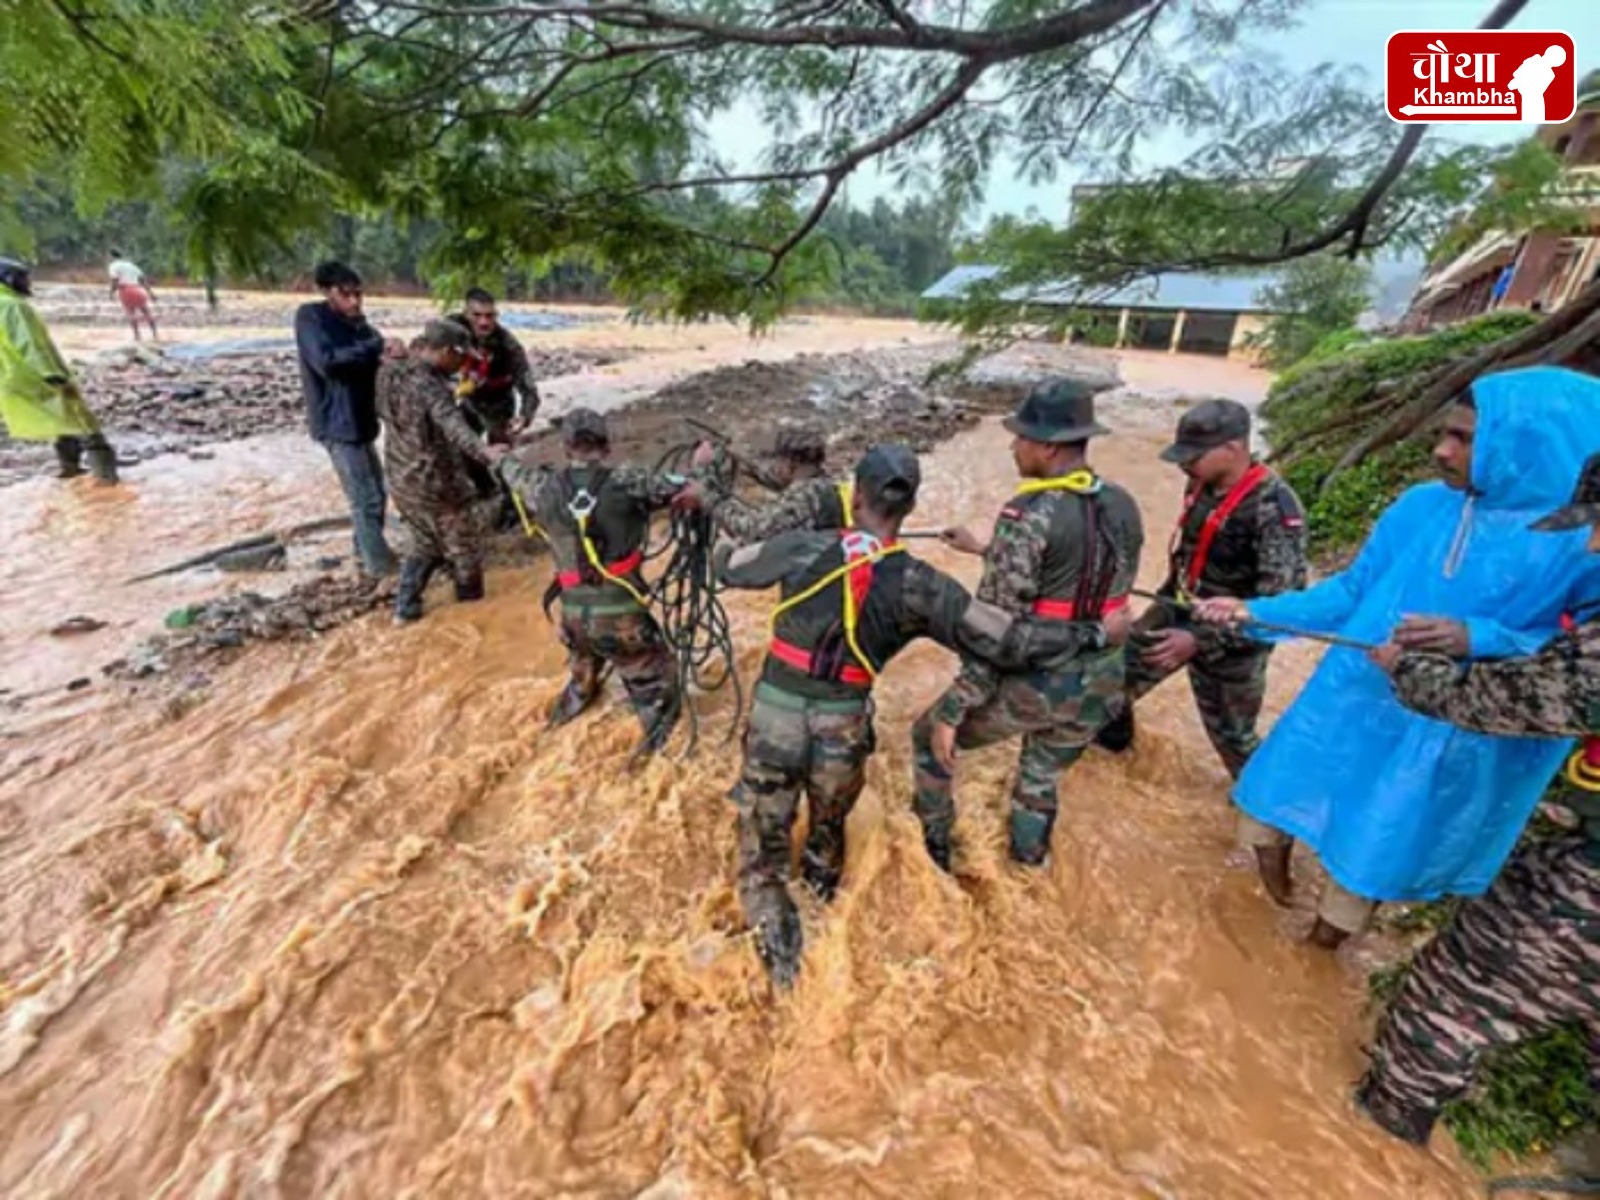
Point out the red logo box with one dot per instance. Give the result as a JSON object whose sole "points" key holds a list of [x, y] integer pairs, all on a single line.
{"points": [[1481, 75]]}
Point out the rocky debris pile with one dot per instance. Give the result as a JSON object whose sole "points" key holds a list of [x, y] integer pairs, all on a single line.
{"points": [[203, 631], [859, 398]]}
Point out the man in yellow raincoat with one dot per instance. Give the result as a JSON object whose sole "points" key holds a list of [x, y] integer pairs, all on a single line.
{"points": [[39, 401]]}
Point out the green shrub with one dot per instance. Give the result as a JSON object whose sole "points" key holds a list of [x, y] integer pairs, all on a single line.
{"points": [[1339, 375], [1529, 1097]]}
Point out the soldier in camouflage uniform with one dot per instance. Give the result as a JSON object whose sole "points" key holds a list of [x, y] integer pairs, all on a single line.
{"points": [[500, 393], [1242, 533], [810, 499], [1525, 956], [851, 600], [597, 520], [427, 444], [1066, 547]]}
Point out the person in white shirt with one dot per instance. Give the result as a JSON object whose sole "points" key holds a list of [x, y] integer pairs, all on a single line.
{"points": [[128, 285]]}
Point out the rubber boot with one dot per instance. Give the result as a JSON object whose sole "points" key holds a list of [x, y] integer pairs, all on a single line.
{"points": [[69, 457], [102, 458], [469, 587], [1030, 837], [936, 840], [1116, 735], [779, 938], [414, 576], [1413, 1125]]}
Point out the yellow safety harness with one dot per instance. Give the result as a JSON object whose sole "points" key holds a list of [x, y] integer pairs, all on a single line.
{"points": [[1085, 482], [839, 575], [581, 507]]}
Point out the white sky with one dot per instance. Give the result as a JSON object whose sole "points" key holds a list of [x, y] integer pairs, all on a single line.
{"points": [[1345, 32]]}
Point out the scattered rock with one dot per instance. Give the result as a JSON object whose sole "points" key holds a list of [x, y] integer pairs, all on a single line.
{"points": [[78, 684]]}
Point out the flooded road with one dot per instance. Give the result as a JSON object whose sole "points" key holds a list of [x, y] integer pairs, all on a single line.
{"points": [[357, 926]]}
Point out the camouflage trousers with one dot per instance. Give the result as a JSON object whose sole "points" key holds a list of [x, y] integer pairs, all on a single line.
{"points": [[630, 641], [1229, 687], [450, 538], [1056, 713], [792, 745], [1512, 963]]}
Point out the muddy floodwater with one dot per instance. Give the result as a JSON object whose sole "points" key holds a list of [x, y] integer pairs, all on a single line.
{"points": [[355, 925]]}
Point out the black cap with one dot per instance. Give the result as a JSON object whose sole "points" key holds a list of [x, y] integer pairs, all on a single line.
{"points": [[1584, 507], [888, 477], [584, 423], [1059, 411], [1207, 425]]}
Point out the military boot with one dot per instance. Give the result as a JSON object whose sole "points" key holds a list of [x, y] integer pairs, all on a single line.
{"points": [[1413, 1125], [469, 587], [69, 457], [414, 576], [659, 722], [822, 861], [1116, 735], [569, 705], [779, 938], [1030, 836], [102, 458], [936, 839]]}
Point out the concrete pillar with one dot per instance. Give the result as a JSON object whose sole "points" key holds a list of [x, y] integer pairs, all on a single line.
{"points": [[1122, 329], [1177, 331]]}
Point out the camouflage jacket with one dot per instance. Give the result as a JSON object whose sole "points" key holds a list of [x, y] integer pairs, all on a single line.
{"points": [[499, 367], [1038, 552], [810, 504], [626, 497], [1260, 550], [426, 439], [1554, 693], [907, 599]]}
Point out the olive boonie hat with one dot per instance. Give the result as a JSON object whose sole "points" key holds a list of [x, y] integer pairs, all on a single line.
{"points": [[1207, 425], [584, 423], [1582, 509], [1060, 411], [889, 473]]}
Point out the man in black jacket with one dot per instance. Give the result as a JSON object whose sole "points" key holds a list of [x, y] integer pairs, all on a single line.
{"points": [[339, 356]]}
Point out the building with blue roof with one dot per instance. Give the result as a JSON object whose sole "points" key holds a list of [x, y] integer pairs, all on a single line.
{"points": [[1191, 314]]}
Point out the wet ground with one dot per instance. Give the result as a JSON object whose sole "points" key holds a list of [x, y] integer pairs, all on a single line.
{"points": [[353, 924]]}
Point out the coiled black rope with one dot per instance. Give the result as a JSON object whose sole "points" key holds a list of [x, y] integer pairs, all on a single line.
{"points": [[689, 607]]}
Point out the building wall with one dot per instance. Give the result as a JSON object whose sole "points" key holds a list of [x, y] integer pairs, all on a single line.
{"points": [[1244, 327]]}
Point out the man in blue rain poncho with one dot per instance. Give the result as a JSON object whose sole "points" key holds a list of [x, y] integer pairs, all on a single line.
{"points": [[1399, 806]]}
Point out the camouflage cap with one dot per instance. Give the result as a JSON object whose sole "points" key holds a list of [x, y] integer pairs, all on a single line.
{"points": [[1207, 425], [444, 334], [1059, 411], [1584, 507], [888, 477], [803, 443], [584, 423]]}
